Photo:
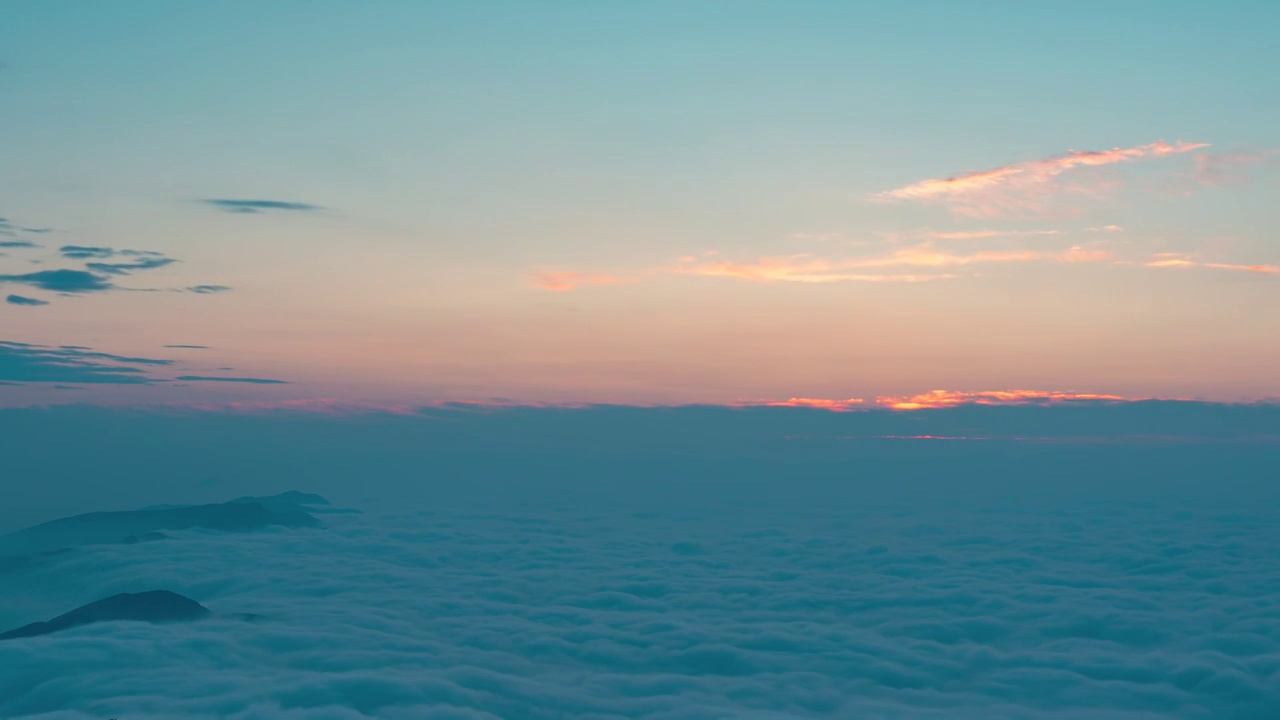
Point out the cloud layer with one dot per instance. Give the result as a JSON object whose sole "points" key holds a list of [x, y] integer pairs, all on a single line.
{"points": [[591, 611]]}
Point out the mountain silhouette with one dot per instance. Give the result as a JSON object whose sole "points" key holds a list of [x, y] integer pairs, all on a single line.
{"points": [[290, 497], [153, 606], [111, 527]]}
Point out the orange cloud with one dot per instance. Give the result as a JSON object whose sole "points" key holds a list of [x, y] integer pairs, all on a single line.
{"points": [[808, 269], [951, 398], [1182, 260], [925, 255], [1020, 186], [795, 268], [819, 403], [1264, 269], [942, 399], [566, 281]]}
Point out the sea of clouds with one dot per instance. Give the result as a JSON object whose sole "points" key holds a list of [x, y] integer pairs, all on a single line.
{"points": [[1107, 609]]}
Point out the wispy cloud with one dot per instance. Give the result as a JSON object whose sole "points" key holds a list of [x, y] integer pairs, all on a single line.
{"points": [[98, 273], [96, 277], [1185, 260], [188, 347], [819, 403], [809, 269], [207, 289], [252, 207], [27, 363], [940, 399], [21, 300], [796, 269], [23, 362], [915, 264], [565, 281], [82, 252], [1020, 187], [145, 263], [949, 398], [249, 380], [9, 228]]}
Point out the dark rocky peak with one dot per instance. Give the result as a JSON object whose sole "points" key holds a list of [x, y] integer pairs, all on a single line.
{"points": [[155, 606]]}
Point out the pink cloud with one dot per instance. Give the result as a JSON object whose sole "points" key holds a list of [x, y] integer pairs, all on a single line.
{"points": [[951, 398], [1183, 260], [566, 281], [935, 399], [819, 403], [806, 268], [1021, 187], [794, 268], [901, 266]]}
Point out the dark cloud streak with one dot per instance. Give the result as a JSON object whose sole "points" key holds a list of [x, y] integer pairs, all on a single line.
{"points": [[145, 263], [251, 207], [27, 363], [65, 281], [22, 362], [82, 252], [249, 380]]}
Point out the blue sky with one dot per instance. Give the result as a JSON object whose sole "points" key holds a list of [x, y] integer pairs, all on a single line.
{"points": [[657, 202]]}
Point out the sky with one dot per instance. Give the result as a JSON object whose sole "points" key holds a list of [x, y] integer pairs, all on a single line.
{"points": [[841, 204]]}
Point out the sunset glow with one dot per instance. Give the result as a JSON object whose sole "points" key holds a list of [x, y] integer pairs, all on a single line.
{"points": [[551, 216], [662, 360], [949, 398]]}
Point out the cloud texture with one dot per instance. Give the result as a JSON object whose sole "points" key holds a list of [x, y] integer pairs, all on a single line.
{"points": [[1025, 187], [1103, 611]]}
